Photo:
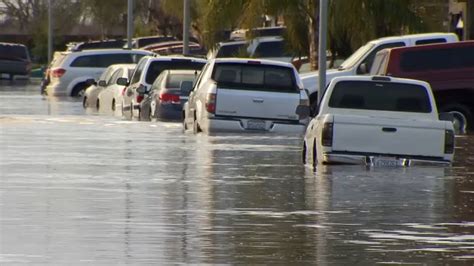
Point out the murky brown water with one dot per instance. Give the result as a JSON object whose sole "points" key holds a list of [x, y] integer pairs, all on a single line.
{"points": [[80, 188]]}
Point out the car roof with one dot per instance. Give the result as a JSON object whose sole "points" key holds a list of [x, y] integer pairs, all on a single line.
{"points": [[433, 46], [175, 57], [12, 44], [180, 71], [380, 79], [246, 61], [415, 36], [110, 51]]}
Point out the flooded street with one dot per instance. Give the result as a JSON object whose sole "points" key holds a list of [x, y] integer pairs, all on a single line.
{"points": [[82, 188]]}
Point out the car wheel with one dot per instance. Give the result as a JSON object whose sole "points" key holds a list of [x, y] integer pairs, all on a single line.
{"points": [[185, 126], [315, 156], [84, 102], [462, 117], [196, 127], [79, 90], [304, 153]]}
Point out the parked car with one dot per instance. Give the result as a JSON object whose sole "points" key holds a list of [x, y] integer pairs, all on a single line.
{"points": [[247, 95], [229, 49], [89, 100], [168, 93], [14, 60], [70, 77], [100, 44], [56, 61], [109, 98], [270, 48], [360, 62], [147, 70], [449, 68], [242, 34], [378, 121]]}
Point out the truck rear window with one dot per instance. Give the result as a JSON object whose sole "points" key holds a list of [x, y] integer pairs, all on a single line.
{"points": [[255, 77], [380, 96], [156, 67], [437, 59]]}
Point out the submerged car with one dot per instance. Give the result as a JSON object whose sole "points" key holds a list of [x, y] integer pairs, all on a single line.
{"points": [[14, 60], [168, 94], [110, 98], [247, 95], [379, 121]]}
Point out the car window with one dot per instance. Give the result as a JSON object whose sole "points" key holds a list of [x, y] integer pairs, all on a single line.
{"points": [[117, 74], [368, 61], [158, 80], [106, 74], [138, 72], [136, 57], [101, 60], [430, 41], [174, 80], [13, 52], [437, 59], [200, 76], [231, 50], [156, 67], [377, 66], [270, 49], [255, 77], [380, 96]]}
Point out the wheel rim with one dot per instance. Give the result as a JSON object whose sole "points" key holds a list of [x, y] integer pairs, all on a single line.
{"points": [[460, 122]]}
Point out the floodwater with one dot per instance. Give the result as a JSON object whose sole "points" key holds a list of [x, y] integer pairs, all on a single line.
{"points": [[81, 188]]}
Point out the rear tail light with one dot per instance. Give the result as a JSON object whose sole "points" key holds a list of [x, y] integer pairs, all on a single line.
{"points": [[211, 103], [169, 98], [326, 136], [140, 98], [58, 72], [449, 142]]}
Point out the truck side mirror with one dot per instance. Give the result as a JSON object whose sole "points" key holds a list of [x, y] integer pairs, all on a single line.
{"points": [[102, 83], [363, 69], [142, 90]]}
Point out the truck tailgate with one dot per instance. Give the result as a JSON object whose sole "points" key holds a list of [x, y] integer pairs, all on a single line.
{"points": [[394, 136], [257, 104]]}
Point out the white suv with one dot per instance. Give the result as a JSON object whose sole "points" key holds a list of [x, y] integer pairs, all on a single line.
{"points": [[72, 75], [247, 95], [147, 70]]}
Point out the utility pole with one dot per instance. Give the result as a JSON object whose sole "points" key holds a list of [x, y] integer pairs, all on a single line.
{"points": [[186, 22], [323, 19], [129, 23], [50, 32]]}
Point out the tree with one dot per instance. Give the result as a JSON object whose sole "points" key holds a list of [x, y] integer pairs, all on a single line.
{"points": [[106, 14]]}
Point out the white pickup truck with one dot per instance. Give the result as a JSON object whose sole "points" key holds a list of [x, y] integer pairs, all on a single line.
{"points": [[360, 62], [377, 120]]}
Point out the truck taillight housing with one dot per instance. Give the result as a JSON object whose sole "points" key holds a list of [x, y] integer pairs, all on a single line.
{"points": [[327, 134], [211, 103], [140, 98], [449, 142], [58, 72]]}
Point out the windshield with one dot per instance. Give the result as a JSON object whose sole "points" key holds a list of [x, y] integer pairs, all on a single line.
{"points": [[14, 52], [231, 50], [356, 56]]}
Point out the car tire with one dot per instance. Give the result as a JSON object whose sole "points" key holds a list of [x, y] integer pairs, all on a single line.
{"points": [[463, 118], [315, 154], [185, 126], [84, 102], [79, 90], [196, 127], [131, 111], [304, 152]]}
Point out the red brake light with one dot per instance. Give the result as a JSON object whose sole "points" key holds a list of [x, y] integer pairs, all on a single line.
{"points": [[140, 98], [58, 72], [211, 103], [169, 98], [326, 135]]}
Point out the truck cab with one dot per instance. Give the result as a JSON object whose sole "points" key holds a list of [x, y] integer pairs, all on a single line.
{"points": [[360, 62]]}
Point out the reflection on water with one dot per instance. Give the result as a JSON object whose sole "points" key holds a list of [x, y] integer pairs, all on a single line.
{"points": [[91, 189]]}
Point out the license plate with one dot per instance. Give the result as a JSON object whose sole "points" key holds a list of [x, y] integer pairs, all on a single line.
{"points": [[256, 124], [387, 162]]}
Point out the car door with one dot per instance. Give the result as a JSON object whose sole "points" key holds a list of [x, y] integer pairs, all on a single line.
{"points": [[134, 80]]}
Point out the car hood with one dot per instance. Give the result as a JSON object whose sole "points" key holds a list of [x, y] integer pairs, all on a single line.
{"points": [[311, 79]]}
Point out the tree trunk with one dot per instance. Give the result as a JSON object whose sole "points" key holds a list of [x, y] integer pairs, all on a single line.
{"points": [[313, 33]]}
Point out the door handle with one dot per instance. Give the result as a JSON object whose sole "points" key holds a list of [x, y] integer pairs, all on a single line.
{"points": [[389, 129], [257, 100]]}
